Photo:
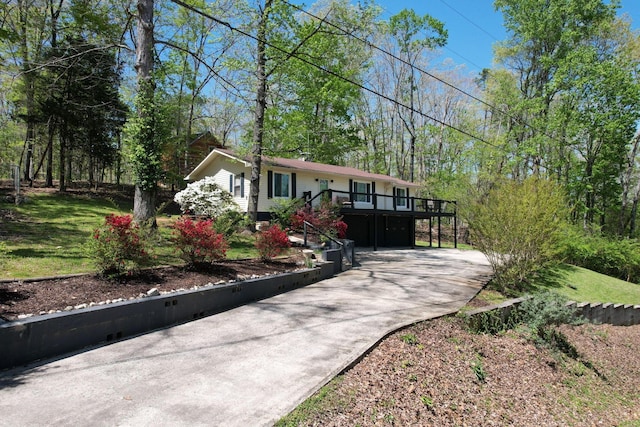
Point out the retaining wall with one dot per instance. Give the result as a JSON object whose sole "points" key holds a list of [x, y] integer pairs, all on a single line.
{"points": [[614, 314], [28, 340]]}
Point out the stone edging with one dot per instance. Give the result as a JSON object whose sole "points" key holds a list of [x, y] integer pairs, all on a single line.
{"points": [[52, 335]]}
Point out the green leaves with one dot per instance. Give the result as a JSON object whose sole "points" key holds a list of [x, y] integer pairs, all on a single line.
{"points": [[518, 227]]}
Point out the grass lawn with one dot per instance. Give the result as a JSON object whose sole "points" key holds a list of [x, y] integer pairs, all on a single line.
{"points": [[582, 285], [443, 244], [47, 235]]}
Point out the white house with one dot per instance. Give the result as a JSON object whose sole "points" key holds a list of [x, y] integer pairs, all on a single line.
{"points": [[372, 204]]}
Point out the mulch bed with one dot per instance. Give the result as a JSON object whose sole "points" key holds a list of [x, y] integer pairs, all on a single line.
{"points": [[449, 376], [39, 297]]}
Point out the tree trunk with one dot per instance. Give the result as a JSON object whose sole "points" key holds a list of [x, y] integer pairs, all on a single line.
{"points": [[49, 168], [28, 81], [145, 192], [63, 141], [258, 125]]}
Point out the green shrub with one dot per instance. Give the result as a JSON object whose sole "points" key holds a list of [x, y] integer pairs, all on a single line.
{"points": [[539, 313], [518, 227], [543, 312], [282, 211], [3, 254], [230, 223], [618, 258]]}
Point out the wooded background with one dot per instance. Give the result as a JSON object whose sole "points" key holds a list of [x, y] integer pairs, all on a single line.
{"points": [[332, 82]]}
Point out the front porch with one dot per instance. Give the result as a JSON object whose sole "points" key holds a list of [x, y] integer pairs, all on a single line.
{"points": [[379, 220]]}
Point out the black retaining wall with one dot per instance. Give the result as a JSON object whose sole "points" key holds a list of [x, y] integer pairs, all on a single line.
{"points": [[39, 337]]}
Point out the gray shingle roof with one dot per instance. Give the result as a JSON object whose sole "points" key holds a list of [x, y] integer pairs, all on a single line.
{"points": [[303, 165]]}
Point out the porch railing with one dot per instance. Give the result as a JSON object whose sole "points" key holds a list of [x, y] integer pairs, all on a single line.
{"points": [[375, 201], [346, 252]]}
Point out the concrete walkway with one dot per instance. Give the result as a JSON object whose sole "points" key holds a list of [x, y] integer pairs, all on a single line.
{"points": [[248, 366]]}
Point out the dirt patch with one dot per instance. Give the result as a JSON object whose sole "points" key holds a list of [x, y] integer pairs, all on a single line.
{"points": [[438, 373], [44, 296]]}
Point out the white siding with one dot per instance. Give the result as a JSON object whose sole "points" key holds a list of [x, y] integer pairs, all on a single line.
{"points": [[221, 168]]}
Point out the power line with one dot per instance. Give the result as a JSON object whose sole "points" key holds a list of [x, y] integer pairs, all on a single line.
{"points": [[366, 42], [469, 20], [397, 58], [350, 81]]}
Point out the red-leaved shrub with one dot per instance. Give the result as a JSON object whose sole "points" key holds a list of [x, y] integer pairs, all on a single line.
{"points": [[198, 242], [118, 245], [272, 242], [325, 218]]}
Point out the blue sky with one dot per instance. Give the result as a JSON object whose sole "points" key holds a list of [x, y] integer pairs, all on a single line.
{"points": [[473, 25]]}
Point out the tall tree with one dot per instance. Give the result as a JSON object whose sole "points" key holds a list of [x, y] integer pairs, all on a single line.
{"points": [[260, 107], [145, 148], [543, 37], [407, 28], [79, 92], [312, 115]]}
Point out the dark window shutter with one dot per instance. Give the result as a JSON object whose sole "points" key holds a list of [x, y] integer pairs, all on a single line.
{"points": [[373, 187], [395, 194], [369, 191], [351, 190], [270, 184], [242, 184], [293, 186], [231, 183]]}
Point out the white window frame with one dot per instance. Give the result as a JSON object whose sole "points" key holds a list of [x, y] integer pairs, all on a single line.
{"points": [[277, 189], [364, 193], [402, 200], [237, 185]]}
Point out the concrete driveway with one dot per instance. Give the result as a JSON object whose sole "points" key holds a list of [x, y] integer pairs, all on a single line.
{"points": [[251, 365]]}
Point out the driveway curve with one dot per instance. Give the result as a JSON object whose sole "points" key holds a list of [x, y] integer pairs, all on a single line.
{"points": [[251, 365]]}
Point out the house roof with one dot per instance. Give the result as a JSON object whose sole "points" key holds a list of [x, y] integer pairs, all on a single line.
{"points": [[303, 165]]}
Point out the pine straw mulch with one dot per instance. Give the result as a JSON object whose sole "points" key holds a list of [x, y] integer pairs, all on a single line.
{"points": [[437, 373]]}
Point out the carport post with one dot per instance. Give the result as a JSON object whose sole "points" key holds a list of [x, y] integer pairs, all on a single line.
{"points": [[413, 231], [455, 225], [375, 232]]}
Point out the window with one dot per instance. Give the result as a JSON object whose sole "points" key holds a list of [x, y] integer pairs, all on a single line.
{"points": [[323, 184], [280, 184], [362, 192], [236, 185], [401, 197]]}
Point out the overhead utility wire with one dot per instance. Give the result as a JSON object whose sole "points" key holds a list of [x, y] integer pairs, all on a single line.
{"points": [[469, 20], [368, 43], [291, 54], [497, 110]]}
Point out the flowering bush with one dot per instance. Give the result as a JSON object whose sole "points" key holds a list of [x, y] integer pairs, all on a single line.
{"points": [[198, 241], [272, 242], [118, 245], [206, 198], [326, 219]]}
